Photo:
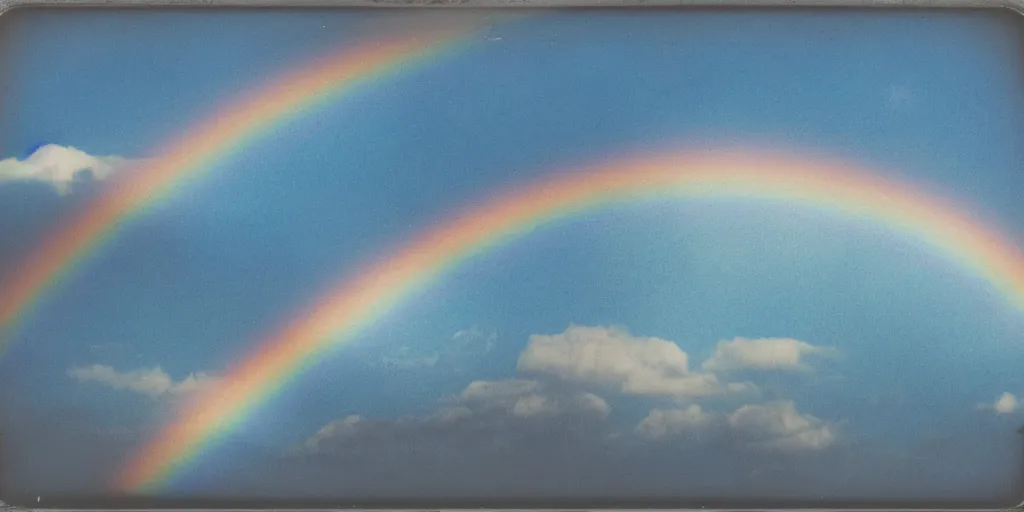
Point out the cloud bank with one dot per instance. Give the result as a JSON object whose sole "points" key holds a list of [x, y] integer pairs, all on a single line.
{"points": [[497, 406], [557, 399], [565, 370]]}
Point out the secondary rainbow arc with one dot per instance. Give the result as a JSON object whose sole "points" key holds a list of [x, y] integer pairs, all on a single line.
{"points": [[224, 132]]}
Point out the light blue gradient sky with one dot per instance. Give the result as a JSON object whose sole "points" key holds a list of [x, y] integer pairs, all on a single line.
{"points": [[192, 285]]}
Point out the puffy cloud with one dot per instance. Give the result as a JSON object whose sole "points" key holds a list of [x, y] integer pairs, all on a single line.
{"points": [[1007, 403], [779, 426], [61, 166], [599, 354], [638, 365], [661, 423], [153, 382], [763, 354]]}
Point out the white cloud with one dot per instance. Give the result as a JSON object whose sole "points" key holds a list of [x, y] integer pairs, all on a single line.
{"points": [[153, 382], [334, 430], [763, 354], [661, 423], [609, 355], [779, 426], [1007, 403], [59, 166]]}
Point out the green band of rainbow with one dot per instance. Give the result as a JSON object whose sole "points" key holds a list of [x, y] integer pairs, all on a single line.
{"points": [[224, 133], [354, 304]]}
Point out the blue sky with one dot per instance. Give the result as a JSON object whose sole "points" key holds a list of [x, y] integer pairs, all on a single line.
{"points": [[903, 371]]}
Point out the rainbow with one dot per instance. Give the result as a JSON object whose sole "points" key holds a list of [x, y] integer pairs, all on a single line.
{"points": [[219, 136], [354, 304]]}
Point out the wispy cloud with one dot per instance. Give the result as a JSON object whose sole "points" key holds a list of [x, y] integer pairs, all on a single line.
{"points": [[336, 429], [462, 349], [475, 339], [152, 382], [404, 358]]}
